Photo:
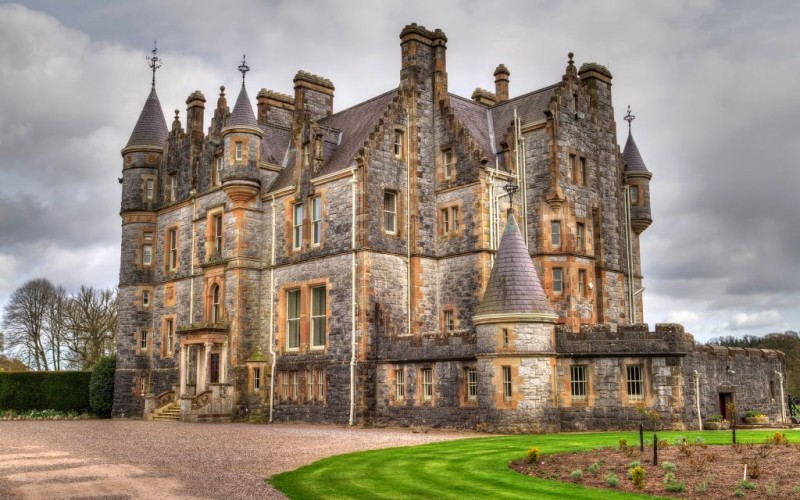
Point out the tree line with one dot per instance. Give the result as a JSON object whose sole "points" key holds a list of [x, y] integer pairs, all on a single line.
{"points": [[788, 342], [45, 328]]}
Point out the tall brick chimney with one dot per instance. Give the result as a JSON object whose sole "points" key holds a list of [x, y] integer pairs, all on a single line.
{"points": [[195, 107], [501, 75]]}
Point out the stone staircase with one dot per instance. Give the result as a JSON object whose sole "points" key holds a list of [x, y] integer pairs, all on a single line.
{"points": [[171, 412]]}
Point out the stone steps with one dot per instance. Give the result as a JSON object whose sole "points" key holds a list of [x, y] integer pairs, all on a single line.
{"points": [[170, 413]]}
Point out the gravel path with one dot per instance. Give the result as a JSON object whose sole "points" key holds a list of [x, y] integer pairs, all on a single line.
{"points": [[137, 459]]}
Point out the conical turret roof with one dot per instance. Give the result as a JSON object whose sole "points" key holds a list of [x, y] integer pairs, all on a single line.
{"points": [[151, 128], [514, 287], [242, 114], [632, 157]]}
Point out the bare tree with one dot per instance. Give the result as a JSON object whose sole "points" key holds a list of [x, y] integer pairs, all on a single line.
{"points": [[25, 321], [56, 332], [91, 320]]}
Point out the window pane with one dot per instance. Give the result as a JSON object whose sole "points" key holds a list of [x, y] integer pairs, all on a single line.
{"points": [[297, 236], [635, 382], [507, 383], [293, 319], [316, 215], [389, 212], [318, 318], [454, 213], [634, 195], [555, 233], [558, 280], [578, 382]]}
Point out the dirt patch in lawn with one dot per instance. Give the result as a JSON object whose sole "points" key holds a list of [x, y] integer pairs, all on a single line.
{"points": [[684, 470]]}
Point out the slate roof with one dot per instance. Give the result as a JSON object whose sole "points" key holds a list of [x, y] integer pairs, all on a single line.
{"points": [[274, 144], [242, 114], [530, 108], [475, 118], [151, 128], [633, 158], [514, 286]]}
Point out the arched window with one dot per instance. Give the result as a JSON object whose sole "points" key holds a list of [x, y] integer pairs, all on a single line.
{"points": [[216, 304]]}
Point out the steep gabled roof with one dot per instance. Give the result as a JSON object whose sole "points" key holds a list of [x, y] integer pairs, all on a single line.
{"points": [[530, 108], [242, 114], [514, 287], [475, 118], [151, 128], [633, 158], [274, 144]]}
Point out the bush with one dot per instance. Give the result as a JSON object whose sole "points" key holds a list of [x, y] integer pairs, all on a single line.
{"points": [[101, 386], [612, 479], [623, 444], [780, 438], [534, 455], [576, 475], [716, 417], [671, 484], [60, 391], [753, 413], [637, 476], [668, 466], [594, 468]]}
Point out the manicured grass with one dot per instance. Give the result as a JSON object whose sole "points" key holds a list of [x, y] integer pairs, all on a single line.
{"points": [[466, 468]]}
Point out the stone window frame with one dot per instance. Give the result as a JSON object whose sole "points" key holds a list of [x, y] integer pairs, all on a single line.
{"points": [[579, 383], [298, 212], [582, 284], [398, 143], [580, 237], [216, 171], [172, 188], [169, 325], [321, 381], [507, 388], [172, 249], [398, 384], [216, 303], [317, 225], [448, 161], [557, 270], [637, 200], [143, 342], [641, 383], [451, 324], [149, 189], [450, 219], [215, 236], [469, 387], [304, 319], [390, 194], [556, 237], [426, 385]]}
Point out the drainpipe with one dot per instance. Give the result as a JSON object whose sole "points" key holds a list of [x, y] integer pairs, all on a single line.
{"points": [[408, 222], [191, 258], [697, 399], [272, 313], [629, 254], [353, 183], [520, 154], [783, 399]]}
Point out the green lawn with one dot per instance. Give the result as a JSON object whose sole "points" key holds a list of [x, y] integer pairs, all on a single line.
{"points": [[465, 468]]}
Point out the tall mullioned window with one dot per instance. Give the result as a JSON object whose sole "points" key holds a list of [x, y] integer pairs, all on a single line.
{"points": [[172, 236], [399, 384], [293, 319], [635, 382], [507, 387], [472, 384], [427, 384], [577, 382]]}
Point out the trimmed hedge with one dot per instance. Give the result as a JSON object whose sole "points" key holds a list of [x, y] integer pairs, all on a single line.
{"points": [[62, 391], [101, 386]]}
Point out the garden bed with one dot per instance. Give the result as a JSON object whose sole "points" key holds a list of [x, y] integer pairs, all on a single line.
{"points": [[696, 470]]}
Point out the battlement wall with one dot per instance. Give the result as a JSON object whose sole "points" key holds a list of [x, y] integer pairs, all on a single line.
{"points": [[635, 339]]}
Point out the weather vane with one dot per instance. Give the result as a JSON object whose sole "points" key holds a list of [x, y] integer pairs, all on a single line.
{"points": [[154, 62], [244, 68], [510, 190], [629, 118]]}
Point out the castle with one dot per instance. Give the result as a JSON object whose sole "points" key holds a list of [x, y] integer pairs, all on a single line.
{"points": [[418, 258]]}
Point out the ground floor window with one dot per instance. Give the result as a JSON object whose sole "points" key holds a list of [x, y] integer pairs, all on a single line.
{"points": [[635, 382], [472, 384], [256, 379], [399, 384], [577, 382], [320, 385], [507, 388], [427, 384]]}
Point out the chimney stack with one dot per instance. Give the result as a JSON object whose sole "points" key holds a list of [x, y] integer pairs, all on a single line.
{"points": [[501, 75], [314, 94], [195, 107]]}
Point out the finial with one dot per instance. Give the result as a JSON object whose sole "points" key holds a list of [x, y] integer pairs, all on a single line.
{"points": [[629, 118], [244, 68], [222, 90], [154, 61], [510, 190], [571, 55]]}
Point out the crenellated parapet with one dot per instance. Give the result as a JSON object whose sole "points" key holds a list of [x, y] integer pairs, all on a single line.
{"points": [[637, 339]]}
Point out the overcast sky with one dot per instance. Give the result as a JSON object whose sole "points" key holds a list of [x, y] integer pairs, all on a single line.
{"points": [[712, 83]]}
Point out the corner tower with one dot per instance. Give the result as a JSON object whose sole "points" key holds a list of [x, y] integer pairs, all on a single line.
{"points": [[141, 159]]}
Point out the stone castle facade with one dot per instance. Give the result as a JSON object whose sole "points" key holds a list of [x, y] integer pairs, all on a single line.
{"points": [[364, 266]]}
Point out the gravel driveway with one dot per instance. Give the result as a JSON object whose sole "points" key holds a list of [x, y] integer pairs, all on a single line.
{"points": [[137, 459]]}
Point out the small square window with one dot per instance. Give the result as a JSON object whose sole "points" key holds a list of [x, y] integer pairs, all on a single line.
{"points": [[558, 280]]}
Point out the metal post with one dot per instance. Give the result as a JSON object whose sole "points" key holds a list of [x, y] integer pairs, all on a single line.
{"points": [[655, 449], [733, 429]]}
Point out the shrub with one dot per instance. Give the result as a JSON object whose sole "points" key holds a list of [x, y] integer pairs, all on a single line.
{"points": [[746, 485], [668, 466], [60, 391], [716, 417], [534, 455], [771, 489], [612, 479], [576, 475], [673, 485], [663, 444], [738, 492], [637, 476], [780, 438], [703, 487], [623, 444], [101, 386], [753, 413], [594, 468], [633, 464]]}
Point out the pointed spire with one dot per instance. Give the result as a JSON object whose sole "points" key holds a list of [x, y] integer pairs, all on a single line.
{"points": [[514, 287], [151, 128], [242, 114], [633, 159]]}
